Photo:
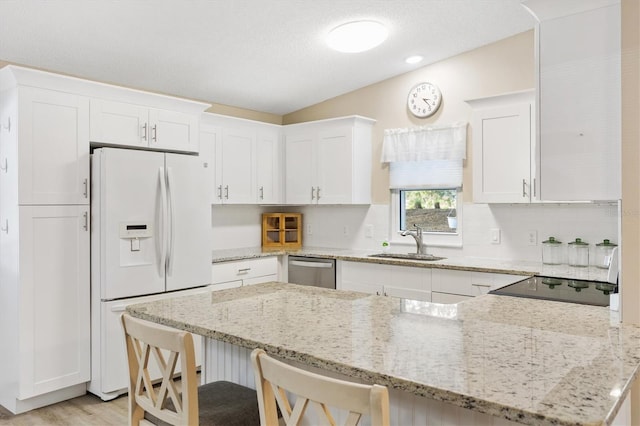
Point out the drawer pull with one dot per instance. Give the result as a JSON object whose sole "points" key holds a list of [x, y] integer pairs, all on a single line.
{"points": [[244, 270], [481, 285]]}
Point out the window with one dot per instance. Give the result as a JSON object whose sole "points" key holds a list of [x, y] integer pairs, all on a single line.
{"points": [[434, 210], [425, 179]]}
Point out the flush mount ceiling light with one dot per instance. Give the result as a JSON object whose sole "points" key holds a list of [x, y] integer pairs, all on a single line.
{"points": [[357, 36], [414, 59]]}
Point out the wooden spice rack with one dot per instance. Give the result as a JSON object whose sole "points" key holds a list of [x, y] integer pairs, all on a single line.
{"points": [[282, 230]]}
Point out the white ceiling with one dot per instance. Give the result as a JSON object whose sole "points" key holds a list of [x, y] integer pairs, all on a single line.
{"points": [[265, 55]]}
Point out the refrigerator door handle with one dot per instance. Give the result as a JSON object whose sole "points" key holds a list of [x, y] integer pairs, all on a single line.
{"points": [[163, 214], [171, 221]]}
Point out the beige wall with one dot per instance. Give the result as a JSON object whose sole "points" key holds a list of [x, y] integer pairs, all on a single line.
{"points": [[630, 248], [504, 66]]}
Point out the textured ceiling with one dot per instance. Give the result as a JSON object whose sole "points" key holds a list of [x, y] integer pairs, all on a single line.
{"points": [[265, 55]]}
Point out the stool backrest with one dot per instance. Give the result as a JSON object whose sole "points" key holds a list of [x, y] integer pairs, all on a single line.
{"points": [[275, 380], [148, 344]]}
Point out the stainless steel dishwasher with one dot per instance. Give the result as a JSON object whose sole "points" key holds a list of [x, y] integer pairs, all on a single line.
{"points": [[312, 271]]}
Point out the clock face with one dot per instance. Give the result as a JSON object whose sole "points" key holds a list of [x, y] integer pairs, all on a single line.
{"points": [[424, 100]]}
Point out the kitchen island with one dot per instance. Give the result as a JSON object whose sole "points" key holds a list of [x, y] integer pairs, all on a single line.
{"points": [[500, 358]]}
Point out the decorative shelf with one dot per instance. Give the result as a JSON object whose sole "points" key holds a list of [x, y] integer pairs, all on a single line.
{"points": [[282, 230]]}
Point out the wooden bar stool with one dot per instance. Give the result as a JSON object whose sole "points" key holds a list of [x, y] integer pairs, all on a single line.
{"points": [[218, 403], [275, 380]]}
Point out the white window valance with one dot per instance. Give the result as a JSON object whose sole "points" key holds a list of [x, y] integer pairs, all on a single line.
{"points": [[444, 142]]}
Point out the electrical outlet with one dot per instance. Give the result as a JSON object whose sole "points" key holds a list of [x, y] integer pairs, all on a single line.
{"points": [[532, 238], [495, 236], [368, 231], [309, 229]]}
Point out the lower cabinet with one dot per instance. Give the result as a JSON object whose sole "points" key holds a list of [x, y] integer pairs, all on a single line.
{"points": [[453, 286], [387, 280], [44, 305], [237, 273], [426, 284]]}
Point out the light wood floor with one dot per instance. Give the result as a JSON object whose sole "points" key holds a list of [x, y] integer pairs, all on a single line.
{"points": [[84, 410]]}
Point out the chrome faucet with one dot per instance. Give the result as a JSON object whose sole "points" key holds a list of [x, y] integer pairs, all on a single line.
{"points": [[417, 235]]}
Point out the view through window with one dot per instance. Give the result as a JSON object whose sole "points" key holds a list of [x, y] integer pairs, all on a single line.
{"points": [[434, 210]]}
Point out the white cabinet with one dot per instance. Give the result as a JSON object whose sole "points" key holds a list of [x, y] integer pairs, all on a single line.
{"points": [[121, 123], [503, 148], [45, 303], [245, 160], [388, 280], [52, 155], [237, 273], [580, 99], [329, 161], [453, 286]]}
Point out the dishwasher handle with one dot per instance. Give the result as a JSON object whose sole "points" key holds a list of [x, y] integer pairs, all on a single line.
{"points": [[311, 264]]}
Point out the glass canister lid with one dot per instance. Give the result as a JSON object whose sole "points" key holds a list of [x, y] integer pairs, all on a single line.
{"points": [[552, 240], [578, 242], [606, 243]]}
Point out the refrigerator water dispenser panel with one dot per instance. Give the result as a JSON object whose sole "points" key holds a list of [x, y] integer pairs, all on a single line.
{"points": [[136, 244]]}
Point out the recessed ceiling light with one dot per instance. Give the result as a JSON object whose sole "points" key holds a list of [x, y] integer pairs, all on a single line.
{"points": [[414, 59], [357, 36]]}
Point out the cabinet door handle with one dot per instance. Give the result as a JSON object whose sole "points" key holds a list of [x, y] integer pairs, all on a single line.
{"points": [[226, 192], [5, 168], [5, 228], [86, 221], [524, 188], [244, 271], [312, 196], [220, 192], [318, 193], [144, 135], [8, 126], [154, 133], [262, 192], [534, 187], [86, 188]]}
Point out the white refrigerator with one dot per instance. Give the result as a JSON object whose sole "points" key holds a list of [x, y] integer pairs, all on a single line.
{"points": [[150, 239]]}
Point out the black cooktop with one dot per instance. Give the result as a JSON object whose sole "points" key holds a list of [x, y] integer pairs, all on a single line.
{"points": [[561, 290]]}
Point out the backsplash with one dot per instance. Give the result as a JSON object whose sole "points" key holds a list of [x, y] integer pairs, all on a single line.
{"points": [[349, 227]]}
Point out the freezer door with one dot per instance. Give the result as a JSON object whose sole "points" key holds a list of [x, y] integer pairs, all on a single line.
{"points": [[189, 191], [131, 222]]}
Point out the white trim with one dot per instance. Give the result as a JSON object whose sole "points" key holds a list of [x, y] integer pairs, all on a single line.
{"points": [[431, 239]]}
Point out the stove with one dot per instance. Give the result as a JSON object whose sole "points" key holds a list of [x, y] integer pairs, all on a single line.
{"points": [[561, 290]]}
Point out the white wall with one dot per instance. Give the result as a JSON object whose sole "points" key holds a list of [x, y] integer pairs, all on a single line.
{"points": [[239, 226]]}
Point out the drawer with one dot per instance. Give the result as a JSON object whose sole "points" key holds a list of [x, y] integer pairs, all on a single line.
{"points": [[244, 269], [369, 273], [453, 282], [447, 298]]}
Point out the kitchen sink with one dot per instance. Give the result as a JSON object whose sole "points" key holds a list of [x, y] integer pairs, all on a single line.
{"points": [[408, 256]]}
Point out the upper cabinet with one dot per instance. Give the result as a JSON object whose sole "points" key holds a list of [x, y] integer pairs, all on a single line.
{"points": [[119, 123], [579, 99], [503, 148], [45, 153], [329, 161], [244, 158]]}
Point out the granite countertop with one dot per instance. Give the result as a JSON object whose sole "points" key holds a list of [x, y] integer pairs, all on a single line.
{"points": [[531, 361], [515, 267]]}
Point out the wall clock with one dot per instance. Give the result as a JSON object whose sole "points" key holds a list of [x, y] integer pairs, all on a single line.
{"points": [[424, 99]]}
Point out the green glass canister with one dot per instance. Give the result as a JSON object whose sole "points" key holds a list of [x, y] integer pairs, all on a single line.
{"points": [[552, 251], [578, 253], [603, 254]]}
